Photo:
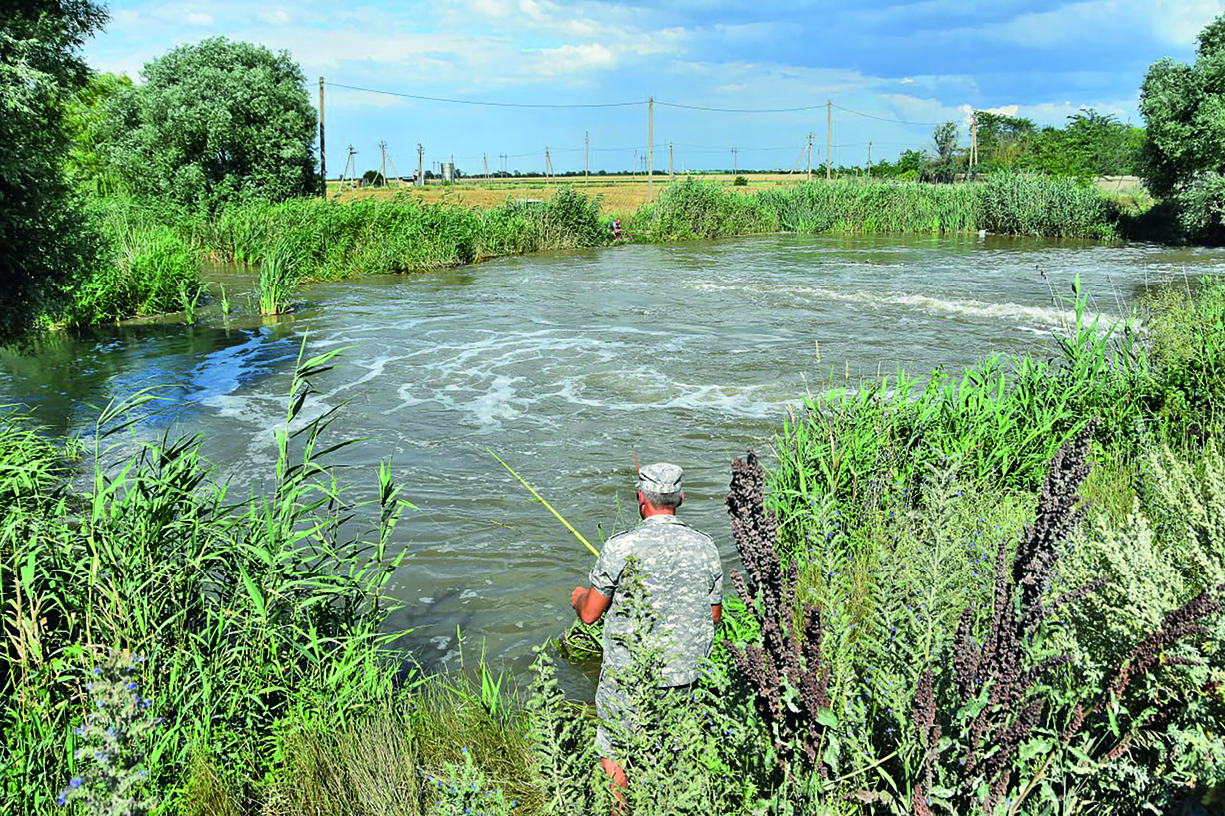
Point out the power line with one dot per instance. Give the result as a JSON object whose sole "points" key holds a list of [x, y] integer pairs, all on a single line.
{"points": [[884, 119], [486, 103], [739, 110], [712, 109]]}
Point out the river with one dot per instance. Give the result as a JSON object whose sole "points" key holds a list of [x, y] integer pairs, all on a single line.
{"points": [[565, 362]]}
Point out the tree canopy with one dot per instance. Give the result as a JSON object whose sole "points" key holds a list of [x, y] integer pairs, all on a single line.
{"points": [[215, 122], [41, 225], [1184, 111]]}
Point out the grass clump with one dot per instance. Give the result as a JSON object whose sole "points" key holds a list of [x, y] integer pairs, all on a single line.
{"points": [[146, 268]]}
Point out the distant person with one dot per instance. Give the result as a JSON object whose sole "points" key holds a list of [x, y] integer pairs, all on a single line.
{"points": [[684, 582], [614, 227]]}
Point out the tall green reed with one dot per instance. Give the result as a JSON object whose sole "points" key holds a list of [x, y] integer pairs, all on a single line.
{"points": [[278, 272], [248, 612]]}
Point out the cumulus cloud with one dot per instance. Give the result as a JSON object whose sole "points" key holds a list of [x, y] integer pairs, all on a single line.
{"points": [[198, 19]]}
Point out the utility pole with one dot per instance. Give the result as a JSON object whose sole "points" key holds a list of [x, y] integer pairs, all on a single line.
{"points": [[548, 163], [586, 155], [383, 164], [829, 133], [869, 160], [650, 148], [323, 156], [810, 156], [420, 165], [634, 169], [974, 139], [735, 162], [485, 158], [349, 162], [671, 175]]}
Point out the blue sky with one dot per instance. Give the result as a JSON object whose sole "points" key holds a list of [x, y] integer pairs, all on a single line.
{"points": [[921, 62]]}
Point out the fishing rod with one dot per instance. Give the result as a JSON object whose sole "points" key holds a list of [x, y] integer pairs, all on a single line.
{"points": [[550, 507]]}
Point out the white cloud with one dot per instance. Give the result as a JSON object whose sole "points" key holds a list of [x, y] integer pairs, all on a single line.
{"points": [[1175, 22], [568, 59], [274, 16], [906, 81], [199, 19]]}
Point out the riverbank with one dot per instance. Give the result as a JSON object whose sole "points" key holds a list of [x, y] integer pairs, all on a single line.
{"points": [[402, 234], [263, 656], [146, 255]]}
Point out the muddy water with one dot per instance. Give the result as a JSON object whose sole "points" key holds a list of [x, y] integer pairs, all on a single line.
{"points": [[563, 362]]}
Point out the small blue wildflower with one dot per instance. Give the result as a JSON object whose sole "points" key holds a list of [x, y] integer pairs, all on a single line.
{"points": [[60, 800], [75, 781], [130, 687]]}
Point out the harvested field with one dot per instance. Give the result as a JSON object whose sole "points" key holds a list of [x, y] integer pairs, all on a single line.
{"points": [[616, 194]]}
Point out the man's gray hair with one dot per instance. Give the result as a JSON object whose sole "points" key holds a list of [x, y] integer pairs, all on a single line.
{"points": [[668, 500]]}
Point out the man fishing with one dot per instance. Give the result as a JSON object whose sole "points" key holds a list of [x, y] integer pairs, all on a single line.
{"points": [[684, 581]]}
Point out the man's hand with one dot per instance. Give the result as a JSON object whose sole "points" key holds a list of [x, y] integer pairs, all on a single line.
{"points": [[576, 597]]}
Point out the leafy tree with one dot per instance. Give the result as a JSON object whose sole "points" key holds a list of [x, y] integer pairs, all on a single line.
{"points": [[1184, 112], [1002, 139], [85, 117], [42, 229], [943, 166], [216, 122], [1184, 155]]}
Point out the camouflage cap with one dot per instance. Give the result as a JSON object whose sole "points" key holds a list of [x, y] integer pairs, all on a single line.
{"points": [[660, 477]]}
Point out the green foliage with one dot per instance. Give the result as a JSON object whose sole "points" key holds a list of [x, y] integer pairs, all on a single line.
{"points": [[562, 743], [1091, 144], [85, 117], [740, 181], [1183, 157], [109, 781], [1060, 207], [463, 789], [42, 228], [325, 239], [213, 123], [147, 269], [946, 163], [1010, 204], [278, 271], [247, 612]]}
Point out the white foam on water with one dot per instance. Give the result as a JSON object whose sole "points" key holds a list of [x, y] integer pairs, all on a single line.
{"points": [[925, 303]]}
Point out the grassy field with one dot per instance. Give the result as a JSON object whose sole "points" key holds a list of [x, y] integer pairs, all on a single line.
{"points": [[616, 194]]}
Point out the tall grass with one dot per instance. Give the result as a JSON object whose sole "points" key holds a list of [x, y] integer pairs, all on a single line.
{"points": [[278, 272], [1007, 204], [245, 612], [331, 240], [145, 267]]}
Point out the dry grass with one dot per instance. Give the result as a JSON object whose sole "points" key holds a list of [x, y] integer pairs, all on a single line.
{"points": [[616, 194]]}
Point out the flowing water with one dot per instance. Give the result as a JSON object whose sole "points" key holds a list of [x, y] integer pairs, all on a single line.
{"points": [[565, 362]]}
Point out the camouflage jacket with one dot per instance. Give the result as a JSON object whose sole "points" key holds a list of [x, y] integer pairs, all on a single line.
{"points": [[683, 577]]}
